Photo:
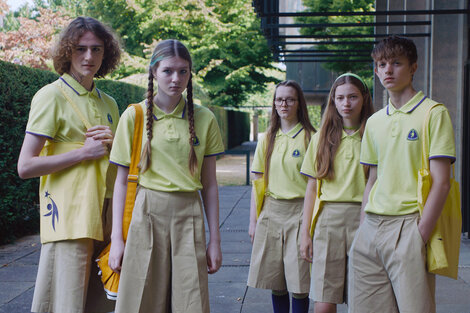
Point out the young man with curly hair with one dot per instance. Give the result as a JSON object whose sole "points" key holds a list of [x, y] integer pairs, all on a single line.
{"points": [[68, 137]]}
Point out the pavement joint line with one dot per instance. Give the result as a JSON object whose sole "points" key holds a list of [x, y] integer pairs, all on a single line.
{"points": [[19, 258], [233, 208], [32, 287], [243, 300]]}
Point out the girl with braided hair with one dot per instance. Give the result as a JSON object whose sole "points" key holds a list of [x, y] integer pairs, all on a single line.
{"points": [[164, 262]]}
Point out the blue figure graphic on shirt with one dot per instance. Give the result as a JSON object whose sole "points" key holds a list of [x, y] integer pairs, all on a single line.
{"points": [[53, 210]]}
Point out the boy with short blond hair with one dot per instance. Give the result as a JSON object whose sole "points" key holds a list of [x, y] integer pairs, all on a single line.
{"points": [[388, 256]]}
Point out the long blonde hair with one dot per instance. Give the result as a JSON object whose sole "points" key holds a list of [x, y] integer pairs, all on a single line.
{"points": [[275, 123], [168, 49], [332, 126]]}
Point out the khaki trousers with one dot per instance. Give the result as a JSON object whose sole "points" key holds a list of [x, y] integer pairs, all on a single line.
{"points": [[387, 267], [275, 259], [68, 280], [334, 234], [164, 267]]}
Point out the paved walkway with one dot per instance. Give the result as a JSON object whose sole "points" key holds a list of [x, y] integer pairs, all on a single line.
{"points": [[228, 291]]}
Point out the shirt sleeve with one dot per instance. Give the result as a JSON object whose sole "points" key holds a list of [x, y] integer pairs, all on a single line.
{"points": [[44, 113], [308, 165], [441, 134], [368, 147], [215, 144], [122, 144], [258, 159]]}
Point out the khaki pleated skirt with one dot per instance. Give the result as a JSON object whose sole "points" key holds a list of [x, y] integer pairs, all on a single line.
{"points": [[276, 263], [68, 280], [164, 267], [332, 239]]}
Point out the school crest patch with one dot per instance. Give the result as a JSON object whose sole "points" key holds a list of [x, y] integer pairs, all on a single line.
{"points": [[412, 135], [296, 153], [110, 119]]}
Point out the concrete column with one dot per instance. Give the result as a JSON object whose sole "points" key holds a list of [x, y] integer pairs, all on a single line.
{"points": [[448, 57]]}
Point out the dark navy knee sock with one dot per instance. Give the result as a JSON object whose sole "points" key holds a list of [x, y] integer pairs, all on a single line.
{"points": [[300, 305], [281, 303]]}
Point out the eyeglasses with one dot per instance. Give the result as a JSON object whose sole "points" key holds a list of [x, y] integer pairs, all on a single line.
{"points": [[289, 101]]}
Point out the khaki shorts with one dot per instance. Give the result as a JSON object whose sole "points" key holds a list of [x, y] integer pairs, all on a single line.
{"points": [[164, 267], [67, 280], [275, 259], [388, 267], [334, 234]]}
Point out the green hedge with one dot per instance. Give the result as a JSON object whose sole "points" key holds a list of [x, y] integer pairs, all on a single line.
{"points": [[238, 128], [19, 198]]}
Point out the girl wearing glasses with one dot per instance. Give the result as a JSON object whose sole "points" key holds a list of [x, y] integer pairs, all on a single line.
{"points": [[275, 260], [332, 159]]}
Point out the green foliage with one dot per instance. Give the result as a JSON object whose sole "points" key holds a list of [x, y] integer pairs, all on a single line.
{"points": [[363, 69], [123, 93], [314, 113], [19, 201], [238, 128], [222, 120], [230, 55]]}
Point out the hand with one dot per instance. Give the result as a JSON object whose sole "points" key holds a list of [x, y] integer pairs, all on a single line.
{"points": [[214, 257], [252, 230], [115, 255], [93, 149], [306, 247], [424, 232], [102, 133]]}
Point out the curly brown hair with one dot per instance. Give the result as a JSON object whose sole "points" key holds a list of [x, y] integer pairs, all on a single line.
{"points": [[62, 51]]}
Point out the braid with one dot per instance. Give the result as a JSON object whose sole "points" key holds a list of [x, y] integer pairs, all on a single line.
{"points": [[192, 132], [147, 153]]}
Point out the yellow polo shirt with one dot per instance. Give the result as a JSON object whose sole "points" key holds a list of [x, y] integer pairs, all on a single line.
{"points": [[349, 181], [71, 200], [392, 142], [169, 168], [285, 180]]}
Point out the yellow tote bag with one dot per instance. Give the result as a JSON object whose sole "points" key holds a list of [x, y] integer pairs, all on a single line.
{"points": [[316, 208], [444, 245], [258, 185], [109, 278]]}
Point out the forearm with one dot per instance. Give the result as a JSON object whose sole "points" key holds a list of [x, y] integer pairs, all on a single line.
{"points": [[30, 164], [370, 183], [253, 216], [44, 165], [119, 199], [210, 198], [440, 173], [432, 209], [309, 202]]}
